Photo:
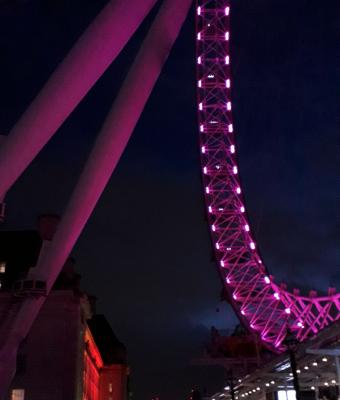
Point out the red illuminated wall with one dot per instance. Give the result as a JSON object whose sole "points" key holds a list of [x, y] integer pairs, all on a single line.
{"points": [[102, 382], [113, 382], [92, 366]]}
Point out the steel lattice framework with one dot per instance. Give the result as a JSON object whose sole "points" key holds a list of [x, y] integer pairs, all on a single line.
{"points": [[262, 306]]}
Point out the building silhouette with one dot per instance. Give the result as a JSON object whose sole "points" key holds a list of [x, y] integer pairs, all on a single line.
{"points": [[71, 353]]}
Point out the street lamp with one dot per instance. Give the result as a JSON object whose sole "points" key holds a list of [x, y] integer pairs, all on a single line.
{"points": [[230, 382], [291, 342]]}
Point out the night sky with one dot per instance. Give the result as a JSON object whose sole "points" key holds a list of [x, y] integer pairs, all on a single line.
{"points": [[146, 250]]}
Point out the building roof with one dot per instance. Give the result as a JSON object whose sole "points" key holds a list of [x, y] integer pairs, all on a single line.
{"points": [[20, 251], [111, 349]]}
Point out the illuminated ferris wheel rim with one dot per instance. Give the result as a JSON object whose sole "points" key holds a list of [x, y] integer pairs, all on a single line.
{"points": [[262, 305]]}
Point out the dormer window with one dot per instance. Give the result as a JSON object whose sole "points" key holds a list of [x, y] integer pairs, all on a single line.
{"points": [[18, 394], [2, 267]]}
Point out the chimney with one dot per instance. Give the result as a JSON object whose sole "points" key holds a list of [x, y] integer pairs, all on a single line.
{"points": [[47, 225]]}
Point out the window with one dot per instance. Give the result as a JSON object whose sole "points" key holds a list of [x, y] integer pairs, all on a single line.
{"points": [[18, 394], [110, 387], [2, 267], [286, 395]]}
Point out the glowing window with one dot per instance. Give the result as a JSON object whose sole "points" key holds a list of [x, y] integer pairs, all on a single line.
{"points": [[18, 394], [2, 267], [286, 395]]}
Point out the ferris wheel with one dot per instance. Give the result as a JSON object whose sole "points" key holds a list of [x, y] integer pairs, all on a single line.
{"points": [[263, 306]]}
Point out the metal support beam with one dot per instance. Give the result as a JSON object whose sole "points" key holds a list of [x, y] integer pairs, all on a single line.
{"points": [[107, 151], [86, 62]]}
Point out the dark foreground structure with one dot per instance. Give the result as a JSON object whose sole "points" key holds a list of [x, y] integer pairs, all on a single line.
{"points": [[70, 353]]}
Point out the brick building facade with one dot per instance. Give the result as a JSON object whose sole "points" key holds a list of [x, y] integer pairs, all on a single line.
{"points": [[70, 353]]}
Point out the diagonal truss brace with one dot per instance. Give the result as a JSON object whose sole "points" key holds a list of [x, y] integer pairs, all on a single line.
{"points": [[103, 159]]}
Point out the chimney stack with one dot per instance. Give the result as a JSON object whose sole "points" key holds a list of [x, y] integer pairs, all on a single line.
{"points": [[47, 225]]}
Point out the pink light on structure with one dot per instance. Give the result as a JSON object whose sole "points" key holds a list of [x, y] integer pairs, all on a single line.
{"points": [[271, 309], [71, 81], [102, 161]]}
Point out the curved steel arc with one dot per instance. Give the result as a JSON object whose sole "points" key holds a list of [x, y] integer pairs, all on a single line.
{"points": [[263, 306]]}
